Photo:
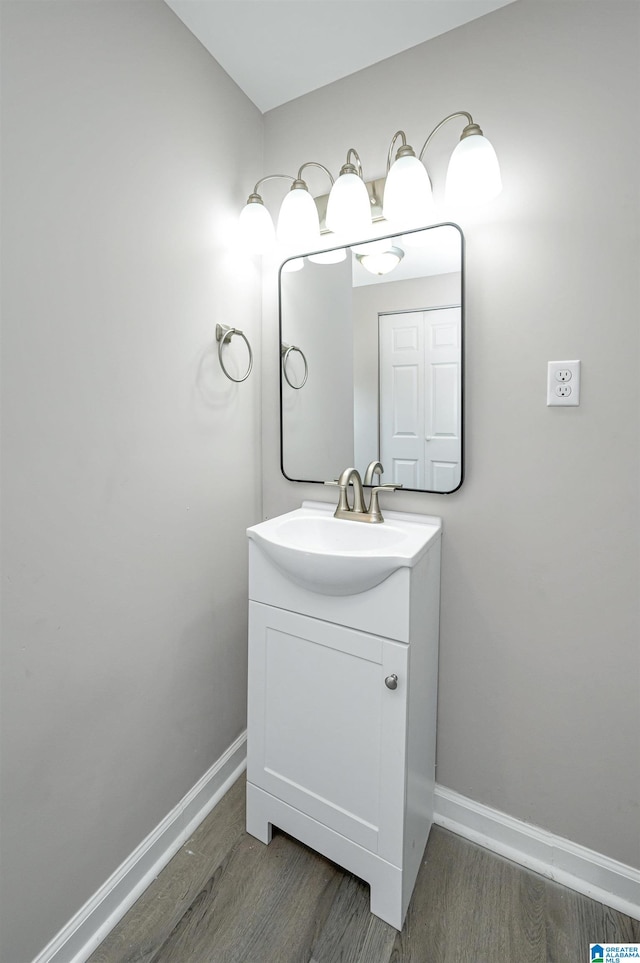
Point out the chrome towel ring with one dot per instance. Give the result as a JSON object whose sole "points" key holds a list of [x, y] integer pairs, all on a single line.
{"points": [[223, 336], [285, 351]]}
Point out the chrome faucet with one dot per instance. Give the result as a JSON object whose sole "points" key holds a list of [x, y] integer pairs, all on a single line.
{"points": [[350, 476]]}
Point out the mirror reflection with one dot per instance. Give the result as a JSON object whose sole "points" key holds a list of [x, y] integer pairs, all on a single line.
{"points": [[372, 360]]}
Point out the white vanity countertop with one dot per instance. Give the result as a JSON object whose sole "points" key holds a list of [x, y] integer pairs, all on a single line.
{"points": [[337, 556]]}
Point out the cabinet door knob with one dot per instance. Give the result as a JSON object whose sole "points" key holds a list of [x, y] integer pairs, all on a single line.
{"points": [[391, 681]]}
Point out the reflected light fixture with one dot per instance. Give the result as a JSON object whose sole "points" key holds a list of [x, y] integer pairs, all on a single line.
{"points": [[381, 262], [473, 177]]}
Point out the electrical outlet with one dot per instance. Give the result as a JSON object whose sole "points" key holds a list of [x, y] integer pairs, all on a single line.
{"points": [[563, 383]]}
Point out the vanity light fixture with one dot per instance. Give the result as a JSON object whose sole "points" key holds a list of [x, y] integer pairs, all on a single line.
{"points": [[298, 219], [349, 208], [298, 222], [473, 176], [407, 189], [255, 227]]}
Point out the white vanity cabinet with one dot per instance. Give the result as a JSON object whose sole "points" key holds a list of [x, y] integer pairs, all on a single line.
{"points": [[341, 719]]}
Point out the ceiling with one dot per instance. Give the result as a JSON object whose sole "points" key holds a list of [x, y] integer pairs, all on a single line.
{"points": [[277, 50]]}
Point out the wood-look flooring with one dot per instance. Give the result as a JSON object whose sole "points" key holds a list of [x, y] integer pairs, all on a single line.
{"points": [[227, 898]]}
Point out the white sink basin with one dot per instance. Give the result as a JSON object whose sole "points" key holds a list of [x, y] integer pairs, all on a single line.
{"points": [[335, 556]]}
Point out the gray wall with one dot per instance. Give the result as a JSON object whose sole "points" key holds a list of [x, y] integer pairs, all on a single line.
{"points": [[539, 672], [131, 465]]}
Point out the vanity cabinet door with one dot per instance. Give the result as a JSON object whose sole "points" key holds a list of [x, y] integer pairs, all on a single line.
{"points": [[327, 735]]}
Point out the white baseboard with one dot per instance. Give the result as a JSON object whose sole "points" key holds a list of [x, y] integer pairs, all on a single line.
{"points": [[584, 870], [83, 934]]}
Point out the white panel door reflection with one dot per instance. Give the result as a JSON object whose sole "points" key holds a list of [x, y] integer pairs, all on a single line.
{"points": [[420, 398]]}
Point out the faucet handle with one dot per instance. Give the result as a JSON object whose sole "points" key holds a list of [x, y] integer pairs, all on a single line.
{"points": [[374, 507], [343, 502]]}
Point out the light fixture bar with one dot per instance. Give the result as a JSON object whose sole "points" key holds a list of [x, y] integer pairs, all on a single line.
{"points": [[473, 176]]}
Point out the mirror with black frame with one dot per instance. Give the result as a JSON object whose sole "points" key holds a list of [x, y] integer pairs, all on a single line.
{"points": [[371, 360]]}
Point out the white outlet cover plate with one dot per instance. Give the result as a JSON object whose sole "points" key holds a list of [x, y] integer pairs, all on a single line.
{"points": [[563, 383]]}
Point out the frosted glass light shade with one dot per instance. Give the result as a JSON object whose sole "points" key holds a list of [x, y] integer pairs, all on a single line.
{"points": [[349, 207], [473, 175], [298, 222], [381, 262], [407, 192], [256, 229]]}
